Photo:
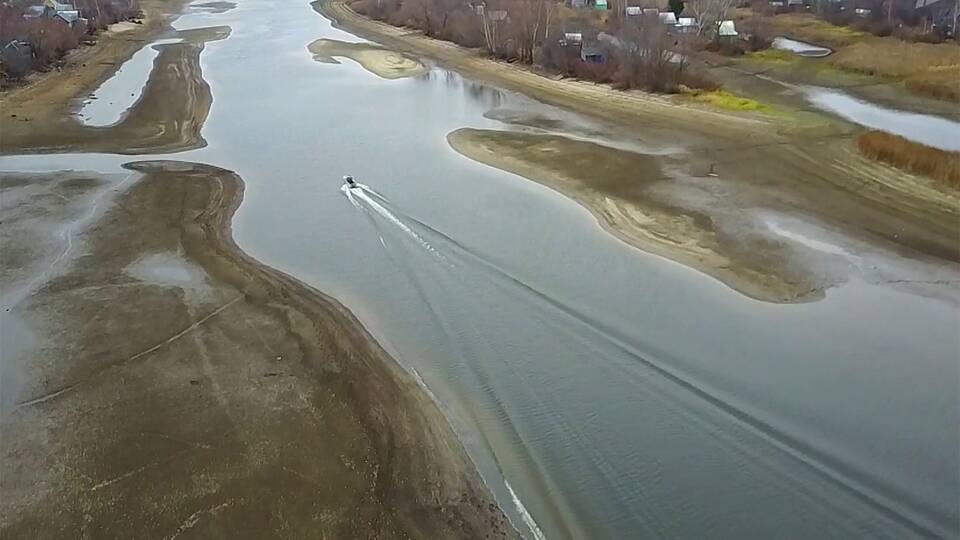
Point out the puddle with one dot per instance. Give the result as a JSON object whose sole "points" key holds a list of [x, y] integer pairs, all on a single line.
{"points": [[109, 103], [925, 129], [170, 270], [800, 48], [776, 227]]}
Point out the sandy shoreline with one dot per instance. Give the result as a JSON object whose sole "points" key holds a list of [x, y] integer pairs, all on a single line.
{"points": [[375, 59], [187, 386]]}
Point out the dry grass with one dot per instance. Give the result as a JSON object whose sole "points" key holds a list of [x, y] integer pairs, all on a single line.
{"points": [[773, 56], [909, 156], [932, 70]]}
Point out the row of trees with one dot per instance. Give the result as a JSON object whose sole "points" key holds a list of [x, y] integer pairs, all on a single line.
{"points": [[639, 54]]}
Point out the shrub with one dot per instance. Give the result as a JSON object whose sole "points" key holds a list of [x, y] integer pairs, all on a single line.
{"points": [[881, 29], [729, 101], [759, 35], [910, 156], [915, 35]]}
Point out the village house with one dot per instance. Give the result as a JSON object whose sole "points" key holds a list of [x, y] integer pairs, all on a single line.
{"points": [[59, 11], [687, 25], [592, 52], [727, 31], [942, 15], [16, 57]]}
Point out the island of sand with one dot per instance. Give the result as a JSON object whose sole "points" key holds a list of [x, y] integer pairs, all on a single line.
{"points": [[374, 58]]}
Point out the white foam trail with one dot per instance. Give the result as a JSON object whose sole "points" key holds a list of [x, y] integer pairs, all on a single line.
{"points": [[371, 190], [346, 191], [380, 209], [524, 515]]}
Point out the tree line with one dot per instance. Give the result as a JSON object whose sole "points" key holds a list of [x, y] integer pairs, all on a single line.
{"points": [[636, 52], [49, 39]]}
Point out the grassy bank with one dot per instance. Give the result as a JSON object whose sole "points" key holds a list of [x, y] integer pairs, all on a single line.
{"points": [[809, 28], [931, 70], [912, 157]]}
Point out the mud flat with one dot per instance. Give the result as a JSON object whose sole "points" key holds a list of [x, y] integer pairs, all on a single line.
{"points": [[168, 116], [374, 58], [615, 185], [174, 385]]}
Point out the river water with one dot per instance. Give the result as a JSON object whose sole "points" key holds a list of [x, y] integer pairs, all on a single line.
{"points": [[603, 392]]}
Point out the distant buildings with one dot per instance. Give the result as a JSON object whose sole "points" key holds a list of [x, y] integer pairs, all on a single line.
{"points": [[943, 14], [59, 11]]}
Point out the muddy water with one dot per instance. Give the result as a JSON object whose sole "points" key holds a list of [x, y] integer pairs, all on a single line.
{"points": [[603, 392]]}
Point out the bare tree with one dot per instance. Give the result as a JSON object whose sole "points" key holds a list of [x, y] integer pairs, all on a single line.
{"points": [[529, 23], [709, 13]]}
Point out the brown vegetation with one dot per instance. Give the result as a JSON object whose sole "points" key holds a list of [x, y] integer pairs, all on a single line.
{"points": [[49, 39], [909, 156], [639, 54], [928, 69]]}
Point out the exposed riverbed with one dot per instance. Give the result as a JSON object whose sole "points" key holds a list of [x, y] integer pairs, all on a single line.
{"points": [[602, 391]]}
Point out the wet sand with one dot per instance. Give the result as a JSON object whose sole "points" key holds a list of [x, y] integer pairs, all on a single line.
{"points": [[175, 386], [375, 59], [618, 187]]}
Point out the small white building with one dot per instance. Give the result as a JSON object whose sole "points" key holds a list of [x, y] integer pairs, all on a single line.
{"points": [[687, 24], [668, 17], [33, 12], [727, 29]]}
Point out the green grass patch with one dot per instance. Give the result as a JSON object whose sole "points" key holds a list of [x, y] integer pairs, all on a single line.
{"points": [[730, 101]]}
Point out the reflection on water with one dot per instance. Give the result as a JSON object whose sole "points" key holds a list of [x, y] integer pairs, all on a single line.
{"points": [[922, 128], [481, 94]]}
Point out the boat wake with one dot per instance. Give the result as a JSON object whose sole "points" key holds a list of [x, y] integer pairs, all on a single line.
{"points": [[779, 444]]}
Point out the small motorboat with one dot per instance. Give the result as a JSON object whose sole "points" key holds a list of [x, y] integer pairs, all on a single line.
{"points": [[349, 182]]}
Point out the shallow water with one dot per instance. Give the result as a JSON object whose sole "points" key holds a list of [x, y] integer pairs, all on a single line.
{"points": [[800, 47], [922, 128], [109, 103], [619, 394]]}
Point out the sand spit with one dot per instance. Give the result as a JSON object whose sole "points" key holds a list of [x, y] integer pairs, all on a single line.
{"points": [[374, 58], [617, 187]]}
